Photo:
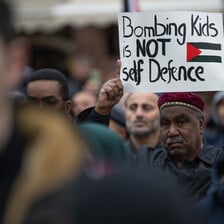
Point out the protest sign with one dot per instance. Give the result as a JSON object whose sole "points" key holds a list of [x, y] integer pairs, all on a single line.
{"points": [[171, 51]]}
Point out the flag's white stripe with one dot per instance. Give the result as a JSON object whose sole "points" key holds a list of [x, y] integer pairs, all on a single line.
{"points": [[210, 52]]}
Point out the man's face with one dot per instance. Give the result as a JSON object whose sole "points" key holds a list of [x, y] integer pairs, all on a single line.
{"points": [[181, 132], [142, 114], [45, 92]]}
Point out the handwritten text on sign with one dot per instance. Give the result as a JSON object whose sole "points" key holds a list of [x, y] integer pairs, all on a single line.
{"points": [[171, 51]]}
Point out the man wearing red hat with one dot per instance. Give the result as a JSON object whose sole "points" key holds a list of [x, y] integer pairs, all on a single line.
{"points": [[186, 158], [182, 125]]}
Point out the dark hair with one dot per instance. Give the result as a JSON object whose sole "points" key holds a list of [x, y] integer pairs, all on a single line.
{"points": [[51, 74], [7, 31]]}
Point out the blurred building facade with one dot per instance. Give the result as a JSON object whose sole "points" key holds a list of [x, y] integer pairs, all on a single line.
{"points": [[60, 30]]}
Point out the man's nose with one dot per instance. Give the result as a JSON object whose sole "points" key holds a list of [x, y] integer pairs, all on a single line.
{"points": [[40, 104], [139, 112], [173, 131]]}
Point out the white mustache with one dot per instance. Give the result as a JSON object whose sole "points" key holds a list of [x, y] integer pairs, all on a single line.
{"points": [[177, 139]]}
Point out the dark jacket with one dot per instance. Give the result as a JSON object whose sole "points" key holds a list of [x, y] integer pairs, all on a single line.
{"points": [[193, 177], [90, 114]]}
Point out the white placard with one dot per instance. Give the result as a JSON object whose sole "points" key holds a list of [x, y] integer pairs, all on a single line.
{"points": [[171, 51]]}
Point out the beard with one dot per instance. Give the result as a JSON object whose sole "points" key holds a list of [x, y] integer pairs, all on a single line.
{"points": [[142, 132]]}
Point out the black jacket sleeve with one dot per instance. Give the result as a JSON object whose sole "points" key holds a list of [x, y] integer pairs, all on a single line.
{"points": [[91, 115]]}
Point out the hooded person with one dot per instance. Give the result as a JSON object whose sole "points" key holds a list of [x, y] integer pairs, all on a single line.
{"points": [[107, 148], [214, 132], [125, 196]]}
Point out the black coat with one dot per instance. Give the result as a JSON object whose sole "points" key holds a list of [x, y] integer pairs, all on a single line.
{"points": [[193, 177], [91, 115]]}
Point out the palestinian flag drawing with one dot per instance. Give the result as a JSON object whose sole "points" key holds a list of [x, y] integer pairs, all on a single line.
{"points": [[203, 52]]}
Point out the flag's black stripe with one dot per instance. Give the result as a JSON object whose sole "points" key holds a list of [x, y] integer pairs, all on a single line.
{"points": [[207, 58], [206, 45]]}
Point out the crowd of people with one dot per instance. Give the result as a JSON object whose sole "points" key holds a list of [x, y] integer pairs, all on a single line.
{"points": [[79, 156]]}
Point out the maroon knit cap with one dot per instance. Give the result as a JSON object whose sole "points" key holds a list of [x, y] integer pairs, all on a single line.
{"points": [[186, 99]]}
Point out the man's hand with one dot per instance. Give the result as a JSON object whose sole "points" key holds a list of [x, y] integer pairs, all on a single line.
{"points": [[110, 93]]}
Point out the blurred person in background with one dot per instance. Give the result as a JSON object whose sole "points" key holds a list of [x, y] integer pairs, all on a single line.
{"points": [[214, 132], [105, 159], [142, 121], [92, 86], [117, 121], [125, 196], [49, 87], [131, 196], [39, 150], [81, 101], [80, 72], [18, 96], [49, 204], [108, 150]]}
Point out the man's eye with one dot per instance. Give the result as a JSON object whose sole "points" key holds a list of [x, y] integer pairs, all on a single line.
{"points": [[181, 121], [50, 102], [147, 107], [164, 124], [32, 100], [133, 107]]}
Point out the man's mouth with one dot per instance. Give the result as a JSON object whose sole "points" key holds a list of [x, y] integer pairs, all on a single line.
{"points": [[139, 123]]}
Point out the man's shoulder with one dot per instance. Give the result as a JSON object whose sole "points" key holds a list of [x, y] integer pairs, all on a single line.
{"points": [[150, 156], [210, 154]]}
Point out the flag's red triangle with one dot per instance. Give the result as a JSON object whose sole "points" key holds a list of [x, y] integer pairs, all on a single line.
{"points": [[192, 52]]}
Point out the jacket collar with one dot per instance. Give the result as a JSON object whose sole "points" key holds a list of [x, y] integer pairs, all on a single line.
{"points": [[208, 154]]}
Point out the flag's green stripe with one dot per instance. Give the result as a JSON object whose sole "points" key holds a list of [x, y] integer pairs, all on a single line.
{"points": [[206, 45], [207, 58]]}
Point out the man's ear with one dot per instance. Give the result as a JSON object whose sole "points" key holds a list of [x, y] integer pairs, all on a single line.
{"points": [[16, 61], [68, 106]]}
